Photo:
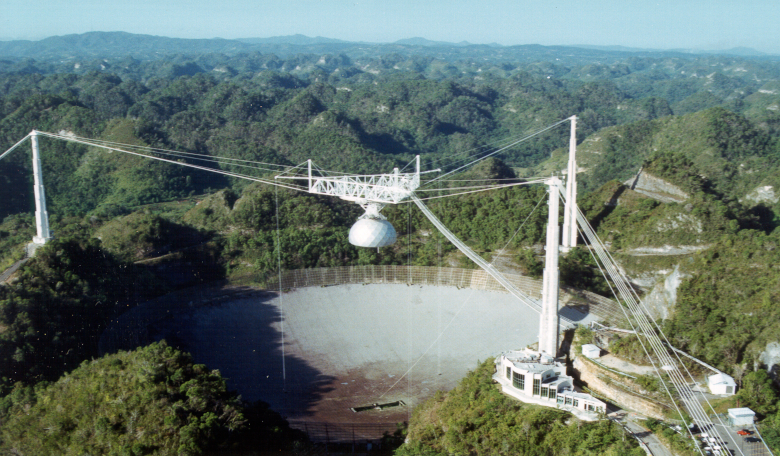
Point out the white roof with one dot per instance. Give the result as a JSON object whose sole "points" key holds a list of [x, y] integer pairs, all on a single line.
{"points": [[742, 411], [721, 378]]}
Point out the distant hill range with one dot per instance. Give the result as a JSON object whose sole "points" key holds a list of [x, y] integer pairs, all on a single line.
{"points": [[296, 40], [738, 51], [148, 47], [417, 41]]}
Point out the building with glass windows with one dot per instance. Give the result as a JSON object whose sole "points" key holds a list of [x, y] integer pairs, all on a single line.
{"points": [[538, 378]]}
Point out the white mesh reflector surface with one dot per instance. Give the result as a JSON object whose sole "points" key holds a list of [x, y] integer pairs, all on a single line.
{"points": [[372, 233]]}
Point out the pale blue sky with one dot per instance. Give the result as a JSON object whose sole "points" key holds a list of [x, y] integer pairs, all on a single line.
{"points": [[715, 24]]}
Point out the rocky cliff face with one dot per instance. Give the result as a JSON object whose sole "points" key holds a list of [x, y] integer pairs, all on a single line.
{"points": [[608, 384], [656, 188], [765, 194], [771, 358], [661, 298]]}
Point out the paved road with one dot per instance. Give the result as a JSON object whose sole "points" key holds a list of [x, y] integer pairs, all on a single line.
{"points": [[8, 272], [651, 443]]}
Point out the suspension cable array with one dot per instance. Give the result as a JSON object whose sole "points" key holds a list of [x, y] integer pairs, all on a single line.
{"points": [[487, 267], [166, 160], [668, 367], [499, 150]]}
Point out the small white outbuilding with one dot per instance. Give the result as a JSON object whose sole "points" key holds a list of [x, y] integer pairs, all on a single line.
{"points": [[591, 351], [741, 416], [722, 384]]}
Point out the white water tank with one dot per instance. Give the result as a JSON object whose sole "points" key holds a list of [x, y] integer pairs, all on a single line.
{"points": [[371, 232]]}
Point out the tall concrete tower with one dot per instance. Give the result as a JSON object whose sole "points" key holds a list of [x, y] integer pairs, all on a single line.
{"points": [[570, 210], [548, 327], [41, 215]]}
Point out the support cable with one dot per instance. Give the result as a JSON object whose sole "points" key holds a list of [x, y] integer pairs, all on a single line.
{"points": [[225, 161], [501, 252], [218, 160], [161, 150], [644, 348], [407, 165], [430, 346], [442, 331], [473, 187], [633, 327], [14, 146], [646, 329], [623, 289], [189, 165], [290, 170], [281, 299], [487, 267], [669, 368], [496, 179], [501, 149], [612, 313], [477, 191], [439, 296], [496, 143], [188, 155]]}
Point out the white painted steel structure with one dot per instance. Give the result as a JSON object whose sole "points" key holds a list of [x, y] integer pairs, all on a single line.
{"points": [[373, 188], [549, 324], [570, 210], [489, 268], [43, 233]]}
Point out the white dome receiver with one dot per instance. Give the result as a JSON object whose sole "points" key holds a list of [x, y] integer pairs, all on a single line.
{"points": [[372, 229], [369, 232]]}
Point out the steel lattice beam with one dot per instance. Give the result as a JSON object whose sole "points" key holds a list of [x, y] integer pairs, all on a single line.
{"points": [[376, 188]]}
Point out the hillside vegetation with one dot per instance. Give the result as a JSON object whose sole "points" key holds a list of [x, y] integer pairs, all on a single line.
{"points": [[732, 154], [476, 418], [154, 400]]}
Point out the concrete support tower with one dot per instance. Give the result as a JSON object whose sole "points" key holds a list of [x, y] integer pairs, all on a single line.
{"points": [[569, 240], [41, 216], [548, 327]]}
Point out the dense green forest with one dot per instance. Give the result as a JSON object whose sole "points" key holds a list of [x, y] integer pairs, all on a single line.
{"points": [[129, 229], [154, 400], [476, 418]]}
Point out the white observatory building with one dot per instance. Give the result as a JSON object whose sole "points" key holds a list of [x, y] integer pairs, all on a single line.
{"points": [[537, 378]]}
